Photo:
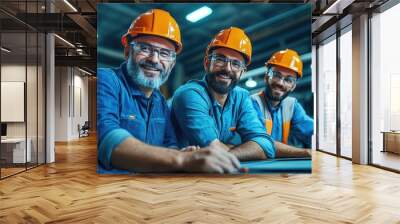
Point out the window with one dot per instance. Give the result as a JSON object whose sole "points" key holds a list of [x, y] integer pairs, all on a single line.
{"points": [[327, 95], [385, 88], [346, 93]]}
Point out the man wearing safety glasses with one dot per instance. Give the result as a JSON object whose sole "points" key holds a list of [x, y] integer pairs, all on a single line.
{"points": [[135, 133], [284, 117], [214, 110]]}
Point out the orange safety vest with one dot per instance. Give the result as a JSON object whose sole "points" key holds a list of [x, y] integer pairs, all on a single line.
{"points": [[287, 105]]}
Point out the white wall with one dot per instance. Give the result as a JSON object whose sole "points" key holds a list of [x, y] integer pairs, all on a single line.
{"points": [[61, 103], [70, 83]]}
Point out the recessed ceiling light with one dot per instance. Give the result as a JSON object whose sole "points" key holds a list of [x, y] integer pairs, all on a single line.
{"points": [[5, 50], [70, 5], [84, 71], [65, 41], [199, 14], [251, 83]]}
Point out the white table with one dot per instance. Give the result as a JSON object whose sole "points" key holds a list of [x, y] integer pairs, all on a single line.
{"points": [[18, 149]]}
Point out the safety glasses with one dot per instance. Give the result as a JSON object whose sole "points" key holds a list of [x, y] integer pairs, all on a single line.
{"points": [[221, 61], [277, 77], [148, 50]]}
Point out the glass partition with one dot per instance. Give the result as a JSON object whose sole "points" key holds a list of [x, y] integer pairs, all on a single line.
{"points": [[14, 152], [22, 88]]}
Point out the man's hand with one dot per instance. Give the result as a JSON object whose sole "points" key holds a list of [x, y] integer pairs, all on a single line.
{"points": [[190, 148], [209, 160]]}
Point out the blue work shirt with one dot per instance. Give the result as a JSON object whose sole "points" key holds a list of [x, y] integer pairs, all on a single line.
{"points": [[301, 125], [199, 119], [124, 111]]}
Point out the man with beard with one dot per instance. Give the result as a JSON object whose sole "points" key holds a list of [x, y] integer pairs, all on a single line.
{"points": [[284, 117], [214, 109], [134, 127]]}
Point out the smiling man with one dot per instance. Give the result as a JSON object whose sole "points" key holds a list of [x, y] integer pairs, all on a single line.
{"points": [[283, 116], [135, 133], [214, 110]]}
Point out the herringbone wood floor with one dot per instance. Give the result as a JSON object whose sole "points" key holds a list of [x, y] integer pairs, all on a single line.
{"points": [[70, 191]]}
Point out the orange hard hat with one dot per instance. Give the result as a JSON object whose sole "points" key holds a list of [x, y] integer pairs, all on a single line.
{"points": [[287, 59], [233, 38], [154, 22]]}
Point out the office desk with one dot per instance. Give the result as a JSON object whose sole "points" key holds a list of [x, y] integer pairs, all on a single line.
{"points": [[391, 141], [283, 165], [13, 150]]}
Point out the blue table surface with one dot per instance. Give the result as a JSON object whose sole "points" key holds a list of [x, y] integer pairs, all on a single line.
{"points": [[282, 165]]}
